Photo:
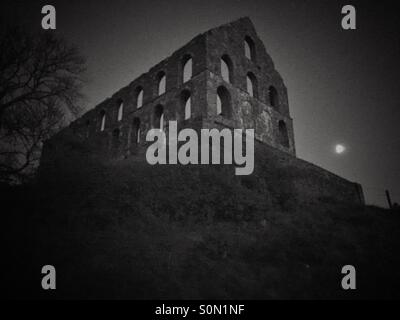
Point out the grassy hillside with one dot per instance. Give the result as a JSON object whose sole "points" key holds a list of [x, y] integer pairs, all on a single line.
{"points": [[128, 230]]}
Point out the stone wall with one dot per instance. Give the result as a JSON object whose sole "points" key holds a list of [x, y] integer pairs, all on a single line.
{"points": [[266, 110], [310, 182], [205, 51]]}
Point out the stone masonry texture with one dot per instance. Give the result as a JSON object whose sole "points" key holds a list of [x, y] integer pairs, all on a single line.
{"points": [[266, 110]]}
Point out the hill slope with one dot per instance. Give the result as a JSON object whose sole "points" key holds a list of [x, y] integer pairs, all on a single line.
{"points": [[128, 230]]}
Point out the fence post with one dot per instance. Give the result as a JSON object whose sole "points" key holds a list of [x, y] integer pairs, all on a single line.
{"points": [[388, 199]]}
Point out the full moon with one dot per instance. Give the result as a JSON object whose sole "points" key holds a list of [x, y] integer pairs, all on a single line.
{"points": [[339, 148]]}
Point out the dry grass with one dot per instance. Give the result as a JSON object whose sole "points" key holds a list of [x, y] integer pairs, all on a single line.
{"points": [[121, 231]]}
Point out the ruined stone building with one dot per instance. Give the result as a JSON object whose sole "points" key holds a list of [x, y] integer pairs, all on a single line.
{"points": [[223, 78]]}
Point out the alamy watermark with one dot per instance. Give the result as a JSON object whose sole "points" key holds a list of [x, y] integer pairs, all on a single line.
{"points": [[348, 21], [349, 280], [49, 280], [183, 147]]}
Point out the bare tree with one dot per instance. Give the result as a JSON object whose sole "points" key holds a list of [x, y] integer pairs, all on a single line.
{"points": [[40, 84]]}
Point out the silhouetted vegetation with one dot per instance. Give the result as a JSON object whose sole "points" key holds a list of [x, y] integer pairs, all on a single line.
{"points": [[40, 82]]}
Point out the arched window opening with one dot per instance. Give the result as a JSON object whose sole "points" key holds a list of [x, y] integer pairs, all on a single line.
{"points": [[283, 134], [251, 84], [188, 109], [103, 120], [136, 131], [187, 104], [87, 128], [158, 121], [115, 138], [161, 83], [226, 68], [273, 96], [249, 49], [187, 69], [223, 102], [139, 97], [219, 105], [120, 110]]}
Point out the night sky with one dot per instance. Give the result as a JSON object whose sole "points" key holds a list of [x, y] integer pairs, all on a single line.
{"points": [[343, 86]]}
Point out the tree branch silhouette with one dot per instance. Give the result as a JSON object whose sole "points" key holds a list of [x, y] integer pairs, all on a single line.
{"points": [[41, 77]]}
